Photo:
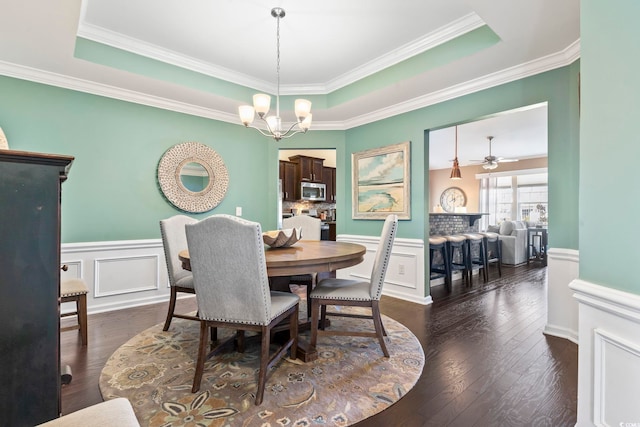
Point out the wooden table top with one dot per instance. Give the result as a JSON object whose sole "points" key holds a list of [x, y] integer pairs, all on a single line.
{"points": [[306, 256]]}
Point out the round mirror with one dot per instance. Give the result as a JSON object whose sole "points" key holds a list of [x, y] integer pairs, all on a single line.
{"points": [[193, 177]]}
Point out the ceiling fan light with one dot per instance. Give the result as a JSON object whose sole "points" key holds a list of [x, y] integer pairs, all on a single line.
{"points": [[490, 166]]}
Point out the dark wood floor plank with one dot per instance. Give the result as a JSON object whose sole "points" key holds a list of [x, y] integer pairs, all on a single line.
{"points": [[487, 361]]}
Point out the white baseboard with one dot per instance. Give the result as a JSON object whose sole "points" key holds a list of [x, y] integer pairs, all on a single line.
{"points": [[608, 355]]}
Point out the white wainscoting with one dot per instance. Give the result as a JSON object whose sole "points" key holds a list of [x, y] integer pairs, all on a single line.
{"points": [[608, 355], [130, 273], [119, 274], [405, 274], [562, 308]]}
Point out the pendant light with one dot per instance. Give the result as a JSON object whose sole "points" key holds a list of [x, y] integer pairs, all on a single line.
{"points": [[455, 170]]}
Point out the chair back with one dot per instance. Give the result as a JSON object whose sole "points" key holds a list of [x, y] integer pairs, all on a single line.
{"points": [[229, 270], [174, 240], [383, 255], [310, 226]]}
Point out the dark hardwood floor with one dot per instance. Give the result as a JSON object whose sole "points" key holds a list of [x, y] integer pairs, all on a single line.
{"points": [[487, 362]]}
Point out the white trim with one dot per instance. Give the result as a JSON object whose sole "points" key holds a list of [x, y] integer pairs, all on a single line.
{"points": [[562, 308], [550, 62], [512, 173], [619, 303]]}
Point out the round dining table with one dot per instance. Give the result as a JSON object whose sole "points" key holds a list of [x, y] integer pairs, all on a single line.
{"points": [[304, 257]]}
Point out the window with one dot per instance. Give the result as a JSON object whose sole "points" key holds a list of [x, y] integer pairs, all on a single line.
{"points": [[521, 195]]}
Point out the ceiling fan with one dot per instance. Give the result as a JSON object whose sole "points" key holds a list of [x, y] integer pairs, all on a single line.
{"points": [[491, 162]]}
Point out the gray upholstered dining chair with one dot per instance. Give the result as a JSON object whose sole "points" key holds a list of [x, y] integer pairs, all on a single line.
{"points": [[174, 240], [232, 289], [311, 227], [346, 292], [311, 230]]}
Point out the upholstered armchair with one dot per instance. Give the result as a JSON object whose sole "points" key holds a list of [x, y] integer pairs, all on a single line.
{"points": [[513, 235]]}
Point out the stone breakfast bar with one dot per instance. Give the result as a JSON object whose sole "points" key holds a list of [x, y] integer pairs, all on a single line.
{"points": [[442, 224]]}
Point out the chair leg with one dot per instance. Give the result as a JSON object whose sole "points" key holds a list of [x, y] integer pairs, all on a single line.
{"points": [[264, 361], [314, 321], [293, 333], [81, 307], [377, 322], [172, 307], [240, 340], [323, 316], [202, 354]]}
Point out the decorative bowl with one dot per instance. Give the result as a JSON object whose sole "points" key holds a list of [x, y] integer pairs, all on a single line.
{"points": [[282, 238]]}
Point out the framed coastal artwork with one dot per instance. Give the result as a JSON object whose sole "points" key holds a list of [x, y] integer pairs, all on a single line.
{"points": [[381, 181]]}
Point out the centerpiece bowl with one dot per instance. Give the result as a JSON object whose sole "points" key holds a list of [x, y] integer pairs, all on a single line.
{"points": [[282, 238]]}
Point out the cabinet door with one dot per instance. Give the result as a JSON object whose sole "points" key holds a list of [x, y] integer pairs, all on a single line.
{"points": [[328, 177], [288, 177], [309, 168], [317, 166]]}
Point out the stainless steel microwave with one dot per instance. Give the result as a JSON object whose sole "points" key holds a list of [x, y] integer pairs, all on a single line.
{"points": [[313, 191]]}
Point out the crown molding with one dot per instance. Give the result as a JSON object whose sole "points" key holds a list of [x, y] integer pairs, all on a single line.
{"points": [[54, 79], [550, 62], [116, 40], [442, 35], [148, 50]]}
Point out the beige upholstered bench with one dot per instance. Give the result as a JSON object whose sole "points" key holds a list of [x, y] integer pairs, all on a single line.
{"points": [[112, 413]]}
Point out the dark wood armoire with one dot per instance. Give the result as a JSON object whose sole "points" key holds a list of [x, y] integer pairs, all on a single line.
{"points": [[30, 185]]}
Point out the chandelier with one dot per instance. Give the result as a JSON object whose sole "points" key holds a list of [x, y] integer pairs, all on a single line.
{"points": [[262, 103]]}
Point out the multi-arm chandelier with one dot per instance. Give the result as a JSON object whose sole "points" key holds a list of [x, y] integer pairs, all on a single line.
{"points": [[262, 103]]}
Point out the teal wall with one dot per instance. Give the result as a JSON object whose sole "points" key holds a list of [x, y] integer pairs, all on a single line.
{"points": [[609, 147], [558, 88], [112, 191]]}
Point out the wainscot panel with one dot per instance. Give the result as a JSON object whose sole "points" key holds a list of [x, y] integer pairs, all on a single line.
{"points": [[405, 274], [562, 308], [119, 274], [608, 355]]}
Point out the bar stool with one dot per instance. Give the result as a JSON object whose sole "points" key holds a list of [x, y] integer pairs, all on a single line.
{"points": [[476, 255], [438, 246], [457, 251], [75, 290], [493, 250]]}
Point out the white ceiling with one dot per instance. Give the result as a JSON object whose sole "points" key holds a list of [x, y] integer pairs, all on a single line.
{"points": [[518, 134], [325, 45]]}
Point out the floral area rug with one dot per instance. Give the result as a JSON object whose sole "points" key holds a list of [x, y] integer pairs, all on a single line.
{"points": [[350, 380]]}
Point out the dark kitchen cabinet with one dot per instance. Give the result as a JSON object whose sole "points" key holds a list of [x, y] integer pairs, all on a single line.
{"points": [[288, 175], [30, 190], [329, 179], [309, 168]]}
